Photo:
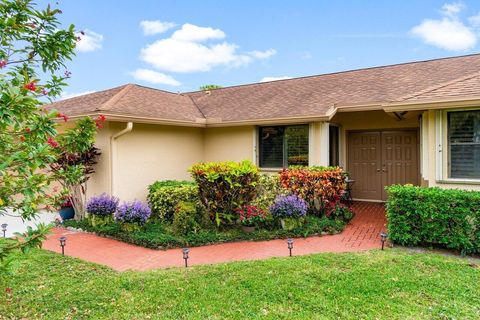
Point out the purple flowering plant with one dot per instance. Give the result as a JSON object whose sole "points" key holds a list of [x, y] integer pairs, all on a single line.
{"points": [[103, 205], [290, 206], [133, 212]]}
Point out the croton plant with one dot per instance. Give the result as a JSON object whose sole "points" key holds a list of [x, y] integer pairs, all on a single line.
{"points": [[321, 187]]}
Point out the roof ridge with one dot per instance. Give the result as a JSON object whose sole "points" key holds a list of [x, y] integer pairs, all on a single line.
{"points": [[336, 72], [439, 86], [197, 106], [109, 104]]}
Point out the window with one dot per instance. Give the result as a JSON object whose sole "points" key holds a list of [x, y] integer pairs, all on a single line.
{"points": [[334, 136], [283, 146], [464, 144]]}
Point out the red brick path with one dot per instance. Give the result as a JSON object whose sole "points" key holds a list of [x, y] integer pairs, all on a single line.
{"points": [[361, 234]]}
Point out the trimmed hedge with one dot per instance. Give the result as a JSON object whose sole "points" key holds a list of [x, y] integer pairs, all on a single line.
{"points": [[437, 217], [164, 196]]}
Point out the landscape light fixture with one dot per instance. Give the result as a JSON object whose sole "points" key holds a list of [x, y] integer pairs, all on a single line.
{"points": [[185, 252], [290, 245], [63, 241], [383, 238], [4, 229]]}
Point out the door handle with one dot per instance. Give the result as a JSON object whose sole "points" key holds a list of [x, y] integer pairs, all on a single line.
{"points": [[378, 170], [384, 170]]}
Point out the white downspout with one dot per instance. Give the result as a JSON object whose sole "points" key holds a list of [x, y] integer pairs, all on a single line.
{"points": [[113, 156]]}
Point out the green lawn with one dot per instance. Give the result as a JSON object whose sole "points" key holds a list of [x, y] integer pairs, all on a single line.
{"points": [[393, 284]]}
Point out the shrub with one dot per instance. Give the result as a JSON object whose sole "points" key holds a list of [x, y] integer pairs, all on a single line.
{"points": [[184, 220], [225, 186], [101, 209], [431, 216], [321, 187], [268, 188], [164, 196], [291, 206], [341, 212], [251, 215], [135, 212], [102, 205]]}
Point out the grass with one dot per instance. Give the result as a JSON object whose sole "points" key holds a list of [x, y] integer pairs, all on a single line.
{"points": [[157, 235], [391, 284]]}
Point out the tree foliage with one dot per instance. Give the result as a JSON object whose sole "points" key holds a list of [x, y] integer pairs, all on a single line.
{"points": [[208, 87], [34, 49]]}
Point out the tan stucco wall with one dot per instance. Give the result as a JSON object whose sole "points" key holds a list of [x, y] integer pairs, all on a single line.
{"points": [[153, 152], [369, 120], [99, 182], [156, 152], [230, 143]]}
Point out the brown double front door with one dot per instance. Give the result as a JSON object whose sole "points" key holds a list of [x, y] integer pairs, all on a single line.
{"points": [[380, 158]]}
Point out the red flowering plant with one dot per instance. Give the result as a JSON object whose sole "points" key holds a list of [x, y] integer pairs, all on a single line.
{"points": [[321, 187], [251, 215], [31, 62]]}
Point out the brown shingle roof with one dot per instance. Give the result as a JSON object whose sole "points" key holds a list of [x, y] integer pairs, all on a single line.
{"points": [[299, 97], [314, 95], [464, 87], [132, 100]]}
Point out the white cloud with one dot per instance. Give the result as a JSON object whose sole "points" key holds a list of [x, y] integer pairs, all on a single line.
{"points": [[151, 27], [449, 32], [68, 95], [267, 79], [185, 51], [263, 54], [193, 33], [154, 77], [89, 41], [452, 9]]}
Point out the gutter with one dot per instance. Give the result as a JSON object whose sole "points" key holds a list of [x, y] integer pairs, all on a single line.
{"points": [[113, 155]]}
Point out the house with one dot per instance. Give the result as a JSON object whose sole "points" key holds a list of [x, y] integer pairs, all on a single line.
{"points": [[415, 123]]}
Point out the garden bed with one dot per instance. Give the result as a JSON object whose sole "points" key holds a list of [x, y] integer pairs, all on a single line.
{"points": [[158, 235]]}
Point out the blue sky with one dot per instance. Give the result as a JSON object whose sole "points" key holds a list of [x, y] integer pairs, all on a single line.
{"points": [[181, 45]]}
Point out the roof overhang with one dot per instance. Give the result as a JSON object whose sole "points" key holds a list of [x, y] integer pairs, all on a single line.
{"points": [[428, 104], [209, 122], [389, 107]]}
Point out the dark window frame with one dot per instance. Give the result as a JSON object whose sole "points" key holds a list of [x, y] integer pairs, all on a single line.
{"points": [[284, 128]]}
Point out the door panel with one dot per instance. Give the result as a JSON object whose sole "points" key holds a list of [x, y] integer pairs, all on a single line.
{"points": [[364, 158], [399, 158], [380, 158]]}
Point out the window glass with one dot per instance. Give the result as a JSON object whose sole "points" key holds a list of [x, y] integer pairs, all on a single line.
{"points": [[464, 144], [283, 146], [334, 145]]}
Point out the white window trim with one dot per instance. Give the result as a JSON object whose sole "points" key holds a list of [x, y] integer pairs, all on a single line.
{"points": [[441, 128]]}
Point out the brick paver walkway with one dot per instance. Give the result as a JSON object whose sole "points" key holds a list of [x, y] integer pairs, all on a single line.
{"points": [[361, 234]]}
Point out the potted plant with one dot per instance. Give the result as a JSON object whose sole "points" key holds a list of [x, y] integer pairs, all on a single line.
{"points": [[250, 216], [290, 210], [101, 209], [66, 209], [132, 215]]}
